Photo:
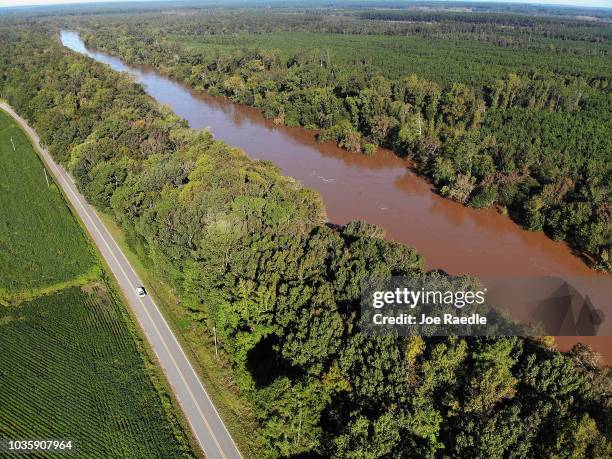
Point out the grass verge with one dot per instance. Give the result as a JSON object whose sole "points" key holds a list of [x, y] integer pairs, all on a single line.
{"points": [[7, 297]]}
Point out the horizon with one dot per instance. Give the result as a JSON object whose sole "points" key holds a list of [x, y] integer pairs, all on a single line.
{"points": [[566, 3]]}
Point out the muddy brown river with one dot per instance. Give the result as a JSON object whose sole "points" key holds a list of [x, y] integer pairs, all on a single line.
{"points": [[380, 189]]}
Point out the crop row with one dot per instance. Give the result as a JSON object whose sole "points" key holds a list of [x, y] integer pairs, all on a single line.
{"points": [[69, 369]]}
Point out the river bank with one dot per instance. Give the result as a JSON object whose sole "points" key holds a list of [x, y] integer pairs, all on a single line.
{"points": [[380, 189]]}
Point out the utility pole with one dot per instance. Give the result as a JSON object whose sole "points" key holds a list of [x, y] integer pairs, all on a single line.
{"points": [[299, 433], [215, 334], [13, 144], [46, 176]]}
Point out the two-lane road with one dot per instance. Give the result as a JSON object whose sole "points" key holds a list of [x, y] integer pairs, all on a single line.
{"points": [[199, 410]]}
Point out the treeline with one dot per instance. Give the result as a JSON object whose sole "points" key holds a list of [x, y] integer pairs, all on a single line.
{"points": [[536, 144], [247, 253], [469, 17], [502, 28], [545, 33]]}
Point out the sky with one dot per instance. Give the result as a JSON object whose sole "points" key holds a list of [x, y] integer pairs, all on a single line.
{"points": [[600, 3]]}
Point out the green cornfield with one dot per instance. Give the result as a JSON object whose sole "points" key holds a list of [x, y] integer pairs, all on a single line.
{"points": [[41, 244], [70, 369]]}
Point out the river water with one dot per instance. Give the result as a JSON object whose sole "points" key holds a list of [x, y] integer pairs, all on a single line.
{"points": [[380, 189]]}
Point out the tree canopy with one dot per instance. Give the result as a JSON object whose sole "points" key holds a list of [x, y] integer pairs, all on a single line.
{"points": [[249, 255]]}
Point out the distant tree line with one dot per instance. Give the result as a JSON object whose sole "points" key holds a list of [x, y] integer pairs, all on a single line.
{"points": [[470, 17], [536, 144]]}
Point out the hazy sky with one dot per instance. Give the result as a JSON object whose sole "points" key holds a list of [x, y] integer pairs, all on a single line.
{"points": [[605, 3]]}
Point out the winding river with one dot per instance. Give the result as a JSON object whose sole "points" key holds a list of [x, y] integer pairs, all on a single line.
{"points": [[380, 189]]}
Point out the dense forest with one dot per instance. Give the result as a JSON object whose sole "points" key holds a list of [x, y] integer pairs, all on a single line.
{"points": [[249, 255], [496, 110]]}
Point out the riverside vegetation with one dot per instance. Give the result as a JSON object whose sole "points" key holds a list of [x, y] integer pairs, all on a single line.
{"points": [[72, 365], [247, 252], [498, 110]]}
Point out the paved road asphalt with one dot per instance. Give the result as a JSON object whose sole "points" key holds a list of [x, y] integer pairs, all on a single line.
{"points": [[199, 410]]}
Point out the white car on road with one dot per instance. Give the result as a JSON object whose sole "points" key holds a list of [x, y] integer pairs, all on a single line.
{"points": [[141, 292]]}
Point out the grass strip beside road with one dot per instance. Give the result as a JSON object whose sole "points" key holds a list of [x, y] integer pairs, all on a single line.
{"points": [[8, 298]]}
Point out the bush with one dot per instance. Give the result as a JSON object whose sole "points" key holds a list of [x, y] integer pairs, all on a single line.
{"points": [[369, 149], [484, 197]]}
